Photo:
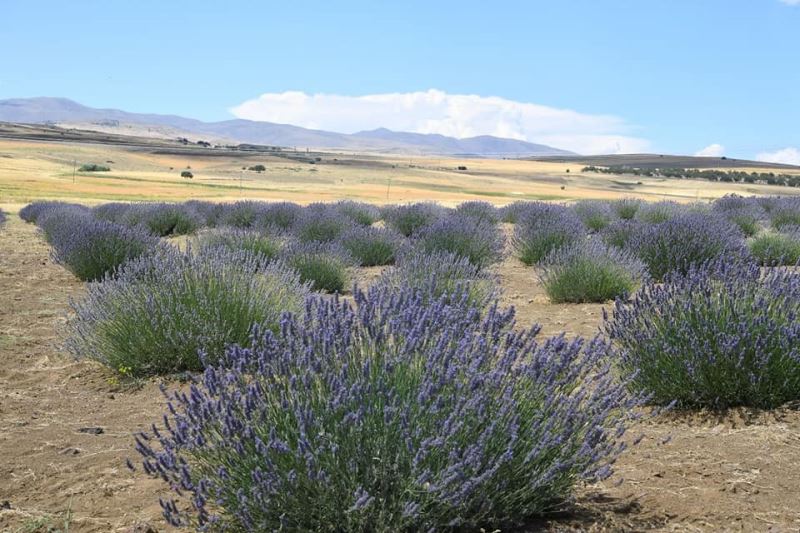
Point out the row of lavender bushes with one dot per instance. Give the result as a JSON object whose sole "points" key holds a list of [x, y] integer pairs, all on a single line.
{"points": [[420, 403]]}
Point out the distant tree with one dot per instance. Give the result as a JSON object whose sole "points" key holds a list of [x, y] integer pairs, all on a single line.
{"points": [[91, 167], [187, 174], [258, 168]]}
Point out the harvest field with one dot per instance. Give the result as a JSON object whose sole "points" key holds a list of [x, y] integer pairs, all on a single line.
{"points": [[148, 169], [85, 360]]}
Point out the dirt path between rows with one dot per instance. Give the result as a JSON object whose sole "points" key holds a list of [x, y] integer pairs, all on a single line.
{"points": [[702, 472]]}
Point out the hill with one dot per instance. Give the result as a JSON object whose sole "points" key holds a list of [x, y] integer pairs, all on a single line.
{"points": [[65, 112]]}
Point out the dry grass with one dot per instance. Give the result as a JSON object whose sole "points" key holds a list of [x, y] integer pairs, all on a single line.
{"points": [[44, 169]]}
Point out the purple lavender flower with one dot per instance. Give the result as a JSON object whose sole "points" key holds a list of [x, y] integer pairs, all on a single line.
{"points": [[686, 240], [481, 242], [542, 228], [409, 219], [92, 249], [590, 271], [594, 214], [723, 334], [480, 211], [172, 311], [391, 413]]}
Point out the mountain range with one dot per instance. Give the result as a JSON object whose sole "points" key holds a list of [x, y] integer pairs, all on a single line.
{"points": [[67, 113]]}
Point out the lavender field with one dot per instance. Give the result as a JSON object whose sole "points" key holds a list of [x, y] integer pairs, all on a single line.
{"points": [[255, 366]]}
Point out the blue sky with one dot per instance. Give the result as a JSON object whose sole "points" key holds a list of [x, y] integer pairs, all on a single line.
{"points": [[671, 76]]}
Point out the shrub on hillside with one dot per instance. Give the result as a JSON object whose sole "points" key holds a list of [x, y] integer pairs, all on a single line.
{"points": [[93, 249], [720, 335], [772, 249], [394, 413], [92, 167], [481, 242], [543, 228], [324, 266], [686, 240], [162, 311], [590, 272], [594, 214], [372, 246], [409, 219]]}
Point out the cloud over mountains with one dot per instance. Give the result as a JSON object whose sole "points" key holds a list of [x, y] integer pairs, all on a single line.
{"points": [[455, 115]]}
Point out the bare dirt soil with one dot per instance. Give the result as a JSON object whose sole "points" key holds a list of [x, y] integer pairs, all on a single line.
{"points": [[66, 429]]}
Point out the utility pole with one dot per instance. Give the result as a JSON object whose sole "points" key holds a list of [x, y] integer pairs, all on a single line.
{"points": [[74, 166], [388, 186]]}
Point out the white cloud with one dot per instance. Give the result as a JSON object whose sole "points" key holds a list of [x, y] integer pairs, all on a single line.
{"points": [[455, 115], [712, 150], [787, 156], [791, 2]]}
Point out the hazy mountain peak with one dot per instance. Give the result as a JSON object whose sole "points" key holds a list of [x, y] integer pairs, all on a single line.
{"points": [[40, 110]]}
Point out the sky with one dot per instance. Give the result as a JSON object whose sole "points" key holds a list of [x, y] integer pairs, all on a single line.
{"points": [[714, 77]]}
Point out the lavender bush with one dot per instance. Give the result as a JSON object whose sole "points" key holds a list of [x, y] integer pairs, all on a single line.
{"points": [[370, 246], [280, 216], [440, 274], [163, 219], [590, 272], [209, 212], [320, 223], [721, 335], [480, 211], [626, 208], [55, 218], [480, 242], [324, 266], [510, 213], [397, 413], [242, 214], [773, 249], [256, 242], [409, 219], [785, 212], [112, 211], [92, 249], [359, 212], [3, 217], [686, 240], [658, 212], [594, 214], [621, 232], [543, 228], [31, 212], [161, 311]]}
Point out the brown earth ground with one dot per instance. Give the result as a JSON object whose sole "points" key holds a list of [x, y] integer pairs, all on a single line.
{"points": [[733, 471]]}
